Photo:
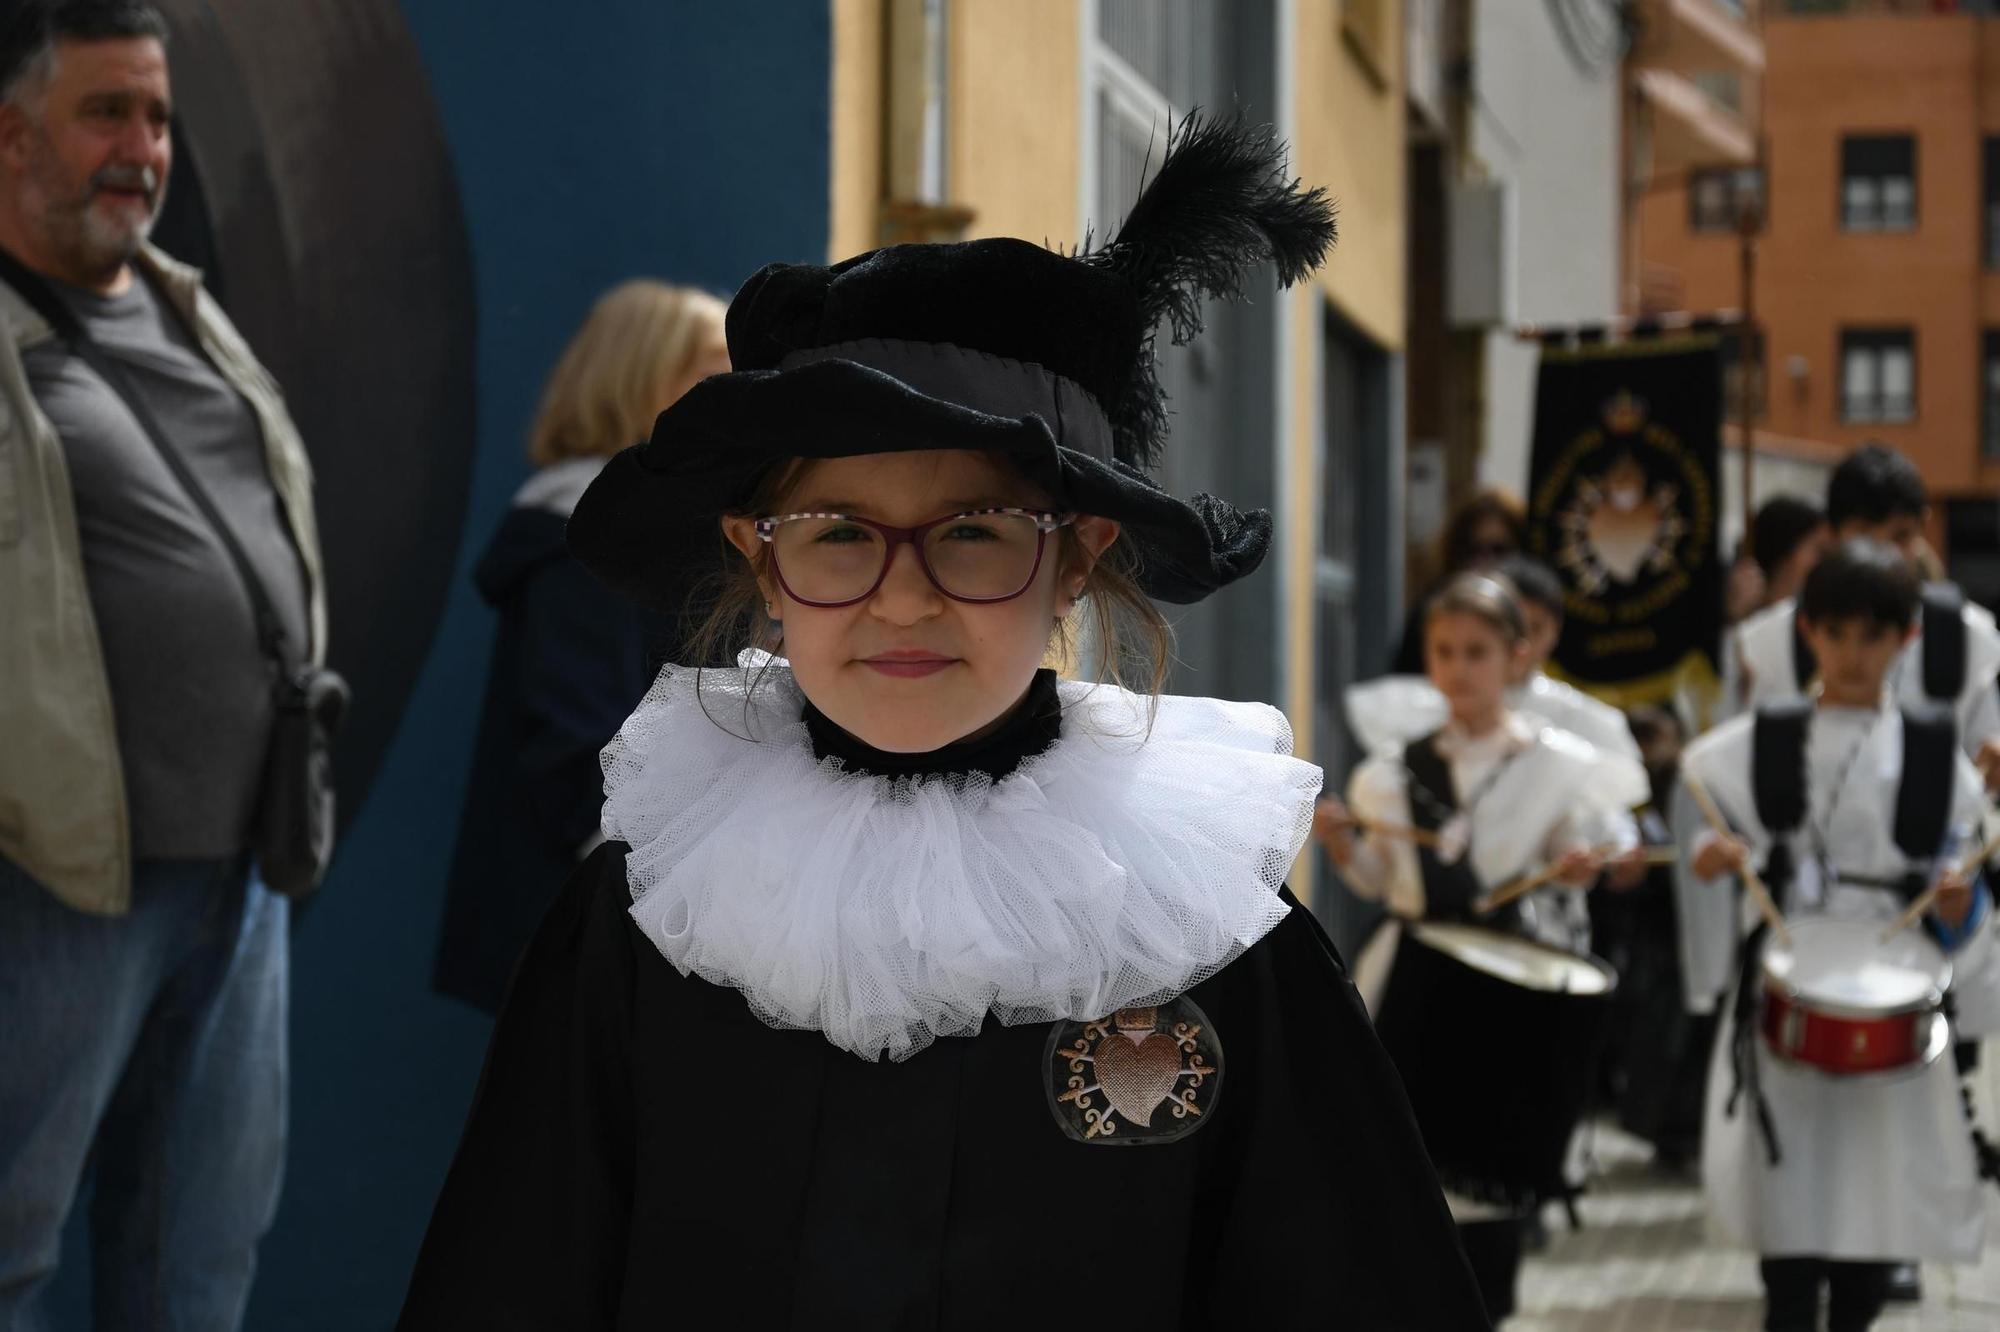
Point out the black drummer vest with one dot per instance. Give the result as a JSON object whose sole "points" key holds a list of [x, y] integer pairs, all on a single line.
{"points": [[1779, 783], [1449, 890], [1944, 645]]}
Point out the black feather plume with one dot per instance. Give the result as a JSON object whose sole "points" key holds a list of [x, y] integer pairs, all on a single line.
{"points": [[1221, 202]]}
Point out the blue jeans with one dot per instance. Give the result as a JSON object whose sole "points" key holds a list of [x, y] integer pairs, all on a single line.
{"points": [[152, 1045]]}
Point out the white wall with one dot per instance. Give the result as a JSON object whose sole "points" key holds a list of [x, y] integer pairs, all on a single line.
{"points": [[1549, 129]]}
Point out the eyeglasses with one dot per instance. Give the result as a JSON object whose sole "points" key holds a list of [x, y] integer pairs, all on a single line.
{"points": [[829, 560]]}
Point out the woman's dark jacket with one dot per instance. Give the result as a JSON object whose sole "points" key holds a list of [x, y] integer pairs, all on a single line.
{"points": [[569, 664]]}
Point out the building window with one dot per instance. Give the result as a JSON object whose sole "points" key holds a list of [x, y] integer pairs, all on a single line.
{"points": [[1989, 396], [1715, 198], [1878, 182], [1990, 194], [1732, 374], [1878, 375], [1723, 86]]}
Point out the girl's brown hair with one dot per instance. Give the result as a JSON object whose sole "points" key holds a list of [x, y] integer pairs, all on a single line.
{"points": [[1132, 641], [1489, 600], [635, 350]]}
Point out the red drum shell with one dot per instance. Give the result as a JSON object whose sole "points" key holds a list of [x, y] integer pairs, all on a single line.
{"points": [[1844, 1046], [1841, 1000]]}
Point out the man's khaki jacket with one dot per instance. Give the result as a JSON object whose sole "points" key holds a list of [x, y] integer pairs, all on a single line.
{"points": [[62, 790]]}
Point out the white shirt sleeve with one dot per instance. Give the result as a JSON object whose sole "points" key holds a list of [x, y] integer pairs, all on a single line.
{"points": [[1704, 913], [1978, 715], [1384, 869], [1710, 910], [1978, 705]]}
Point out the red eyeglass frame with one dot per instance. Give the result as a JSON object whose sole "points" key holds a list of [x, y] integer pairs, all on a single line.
{"points": [[1045, 523]]}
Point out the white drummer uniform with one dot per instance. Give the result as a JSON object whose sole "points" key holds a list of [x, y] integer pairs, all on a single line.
{"points": [[1874, 1168], [1526, 792], [1765, 645]]}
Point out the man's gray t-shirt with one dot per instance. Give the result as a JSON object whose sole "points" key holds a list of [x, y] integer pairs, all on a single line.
{"points": [[191, 689]]}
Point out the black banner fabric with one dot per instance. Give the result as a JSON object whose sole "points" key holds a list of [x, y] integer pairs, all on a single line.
{"points": [[1622, 505]]}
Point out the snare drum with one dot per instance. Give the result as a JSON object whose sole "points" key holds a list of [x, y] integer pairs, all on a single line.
{"points": [[1842, 1001], [1496, 1038]]}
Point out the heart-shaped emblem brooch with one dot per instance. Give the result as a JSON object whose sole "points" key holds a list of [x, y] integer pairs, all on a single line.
{"points": [[1142, 1075]]}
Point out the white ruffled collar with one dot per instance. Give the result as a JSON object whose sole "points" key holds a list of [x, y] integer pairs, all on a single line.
{"points": [[1514, 734], [1116, 868]]}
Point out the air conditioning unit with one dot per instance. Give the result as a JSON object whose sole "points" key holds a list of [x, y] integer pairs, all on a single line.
{"points": [[1480, 252]]}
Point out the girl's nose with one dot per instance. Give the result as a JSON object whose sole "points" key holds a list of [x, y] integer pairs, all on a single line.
{"points": [[907, 594]]}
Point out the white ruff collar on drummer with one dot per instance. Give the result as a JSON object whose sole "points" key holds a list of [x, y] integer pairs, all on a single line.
{"points": [[1115, 869]]}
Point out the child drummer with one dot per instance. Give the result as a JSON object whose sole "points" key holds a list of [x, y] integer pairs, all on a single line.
{"points": [[1492, 795], [1832, 1178]]}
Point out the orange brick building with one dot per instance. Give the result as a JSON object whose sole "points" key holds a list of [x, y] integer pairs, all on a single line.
{"points": [[1878, 265]]}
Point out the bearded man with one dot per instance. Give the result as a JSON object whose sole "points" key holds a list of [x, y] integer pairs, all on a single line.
{"points": [[143, 963]]}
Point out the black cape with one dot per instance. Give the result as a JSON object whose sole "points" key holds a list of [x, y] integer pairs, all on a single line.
{"points": [[643, 1152]]}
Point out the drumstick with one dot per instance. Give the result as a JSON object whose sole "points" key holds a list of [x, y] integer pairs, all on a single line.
{"points": [[1928, 897], [1519, 886], [1751, 879], [1527, 883], [1421, 836]]}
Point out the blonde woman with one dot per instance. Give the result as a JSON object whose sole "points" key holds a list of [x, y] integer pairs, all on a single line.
{"points": [[570, 660]]}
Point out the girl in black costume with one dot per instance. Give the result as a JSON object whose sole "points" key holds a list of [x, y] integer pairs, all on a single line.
{"points": [[914, 988]]}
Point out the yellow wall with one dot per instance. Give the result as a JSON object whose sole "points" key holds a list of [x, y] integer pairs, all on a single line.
{"points": [[1016, 88], [1348, 135], [1347, 131], [856, 134], [1014, 84]]}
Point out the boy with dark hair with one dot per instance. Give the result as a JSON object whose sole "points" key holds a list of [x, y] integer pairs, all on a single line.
{"points": [[1834, 1178], [1878, 493], [1787, 539]]}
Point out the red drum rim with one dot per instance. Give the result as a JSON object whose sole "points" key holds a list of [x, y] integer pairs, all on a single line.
{"points": [[1937, 1039]]}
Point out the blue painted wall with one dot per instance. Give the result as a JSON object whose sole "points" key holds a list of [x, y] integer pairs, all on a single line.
{"points": [[593, 142]]}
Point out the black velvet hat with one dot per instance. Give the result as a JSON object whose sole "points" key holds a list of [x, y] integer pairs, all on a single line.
{"points": [[998, 345]]}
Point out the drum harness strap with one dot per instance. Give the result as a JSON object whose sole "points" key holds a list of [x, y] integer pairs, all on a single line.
{"points": [[1449, 889], [1780, 784]]}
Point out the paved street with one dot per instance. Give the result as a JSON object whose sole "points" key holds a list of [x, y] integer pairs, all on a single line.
{"points": [[1644, 1263]]}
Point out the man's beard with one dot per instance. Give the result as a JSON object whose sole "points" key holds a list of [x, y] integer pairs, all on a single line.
{"points": [[90, 242]]}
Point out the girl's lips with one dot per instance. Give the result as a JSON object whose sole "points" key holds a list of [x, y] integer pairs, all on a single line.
{"points": [[908, 665]]}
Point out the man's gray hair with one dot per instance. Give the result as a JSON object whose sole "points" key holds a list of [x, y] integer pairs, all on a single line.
{"points": [[28, 42]]}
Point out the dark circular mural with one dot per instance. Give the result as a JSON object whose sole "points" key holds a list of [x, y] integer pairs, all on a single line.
{"points": [[313, 185]]}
